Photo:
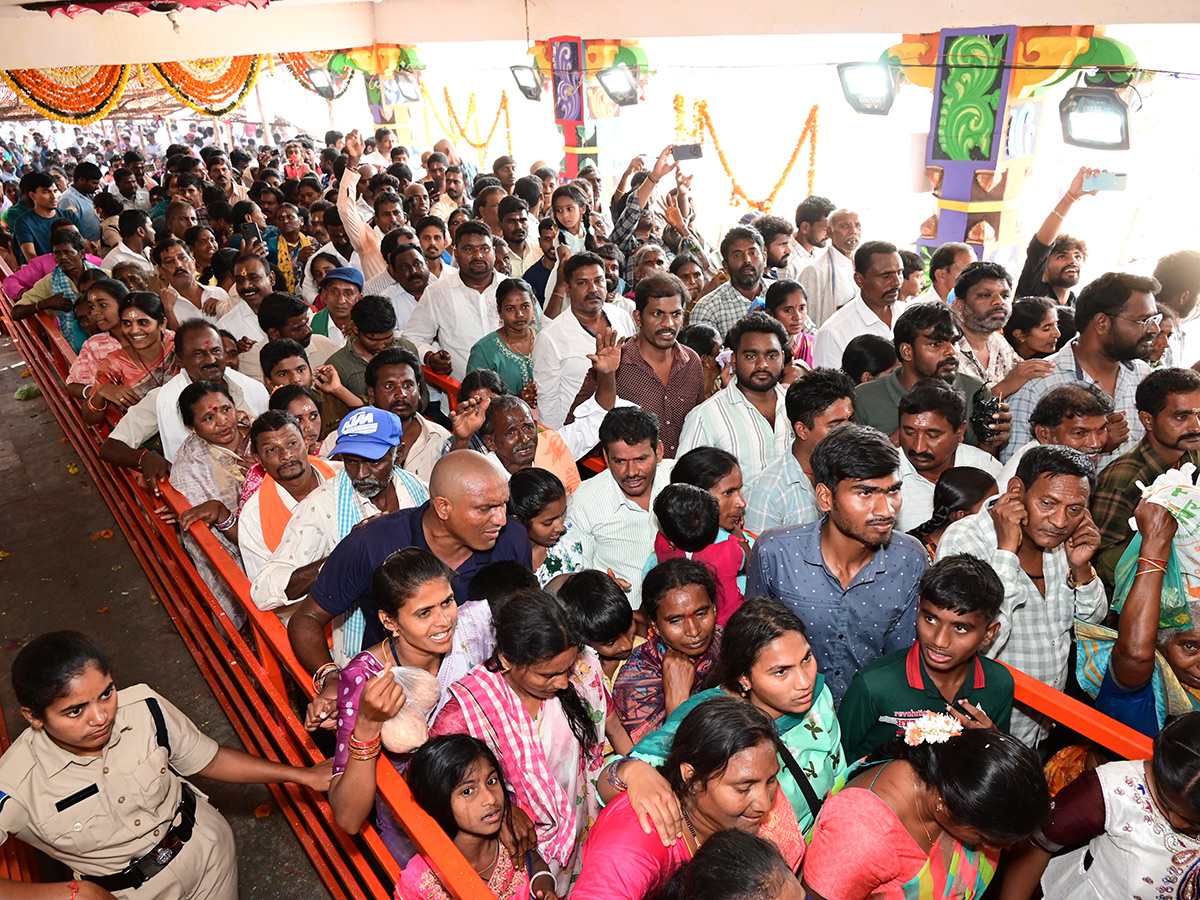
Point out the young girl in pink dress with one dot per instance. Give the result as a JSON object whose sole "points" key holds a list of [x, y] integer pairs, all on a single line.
{"points": [[457, 780]]}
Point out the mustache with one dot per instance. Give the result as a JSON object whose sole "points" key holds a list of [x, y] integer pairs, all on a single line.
{"points": [[525, 447], [919, 456]]}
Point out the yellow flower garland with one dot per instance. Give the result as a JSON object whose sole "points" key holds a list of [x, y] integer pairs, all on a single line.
{"points": [[460, 128], [702, 123]]}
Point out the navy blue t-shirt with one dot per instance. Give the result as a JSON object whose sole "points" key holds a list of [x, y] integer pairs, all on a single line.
{"points": [[33, 228], [345, 579], [538, 276], [1133, 707]]}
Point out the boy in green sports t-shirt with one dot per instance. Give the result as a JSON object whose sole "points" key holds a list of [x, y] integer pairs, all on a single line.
{"points": [[957, 617]]}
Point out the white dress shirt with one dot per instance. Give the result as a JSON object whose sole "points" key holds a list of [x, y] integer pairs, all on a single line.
{"points": [[364, 240], [844, 325], [729, 421], [615, 532], [560, 360], [121, 253], [800, 260], [829, 282], [403, 302], [318, 351], [451, 316], [242, 322], [917, 490], [185, 309]]}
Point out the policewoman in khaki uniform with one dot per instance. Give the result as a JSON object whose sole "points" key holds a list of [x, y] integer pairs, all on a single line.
{"points": [[97, 782]]}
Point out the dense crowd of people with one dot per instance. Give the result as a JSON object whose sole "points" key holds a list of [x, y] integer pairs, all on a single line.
{"points": [[661, 564]]}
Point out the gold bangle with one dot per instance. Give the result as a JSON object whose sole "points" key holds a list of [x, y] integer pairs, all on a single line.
{"points": [[94, 407], [322, 674]]}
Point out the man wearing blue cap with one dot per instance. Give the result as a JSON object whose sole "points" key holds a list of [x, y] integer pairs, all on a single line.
{"points": [[465, 524], [340, 290], [370, 483]]}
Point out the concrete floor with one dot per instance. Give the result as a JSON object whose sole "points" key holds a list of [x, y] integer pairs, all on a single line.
{"points": [[55, 576]]}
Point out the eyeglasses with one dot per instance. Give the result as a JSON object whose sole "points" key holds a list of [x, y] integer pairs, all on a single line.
{"points": [[1146, 323]]}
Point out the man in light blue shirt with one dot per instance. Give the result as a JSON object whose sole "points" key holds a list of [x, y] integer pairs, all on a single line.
{"points": [[849, 577], [78, 199]]}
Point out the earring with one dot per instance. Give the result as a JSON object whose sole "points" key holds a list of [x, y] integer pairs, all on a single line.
{"points": [[939, 806], [745, 690]]}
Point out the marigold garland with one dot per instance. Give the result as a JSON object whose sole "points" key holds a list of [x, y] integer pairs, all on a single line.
{"points": [[212, 86], [702, 125], [299, 64], [460, 127], [75, 95]]}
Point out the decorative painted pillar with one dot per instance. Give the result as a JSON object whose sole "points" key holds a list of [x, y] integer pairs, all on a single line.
{"points": [[379, 64], [986, 121], [583, 111]]}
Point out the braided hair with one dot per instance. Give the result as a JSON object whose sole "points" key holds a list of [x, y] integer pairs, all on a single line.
{"points": [[959, 489], [573, 193]]}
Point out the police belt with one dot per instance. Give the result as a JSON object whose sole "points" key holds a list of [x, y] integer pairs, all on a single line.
{"points": [[143, 869]]}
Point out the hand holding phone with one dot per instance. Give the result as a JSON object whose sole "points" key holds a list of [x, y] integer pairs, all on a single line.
{"points": [[1106, 181], [250, 234], [687, 151]]}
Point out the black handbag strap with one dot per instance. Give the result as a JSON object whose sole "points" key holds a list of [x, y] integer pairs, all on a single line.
{"points": [[810, 796]]}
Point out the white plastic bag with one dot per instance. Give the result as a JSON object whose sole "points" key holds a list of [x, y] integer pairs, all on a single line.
{"points": [[409, 728]]}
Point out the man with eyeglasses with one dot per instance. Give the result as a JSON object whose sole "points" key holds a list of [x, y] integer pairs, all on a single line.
{"points": [[1117, 321]]}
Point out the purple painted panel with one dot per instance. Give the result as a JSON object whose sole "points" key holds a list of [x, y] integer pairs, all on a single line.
{"points": [[566, 55]]}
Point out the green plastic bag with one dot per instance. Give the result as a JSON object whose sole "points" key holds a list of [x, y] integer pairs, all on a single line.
{"points": [[27, 392], [1173, 610]]}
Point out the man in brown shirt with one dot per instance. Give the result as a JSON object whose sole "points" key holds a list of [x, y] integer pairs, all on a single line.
{"points": [[657, 372]]}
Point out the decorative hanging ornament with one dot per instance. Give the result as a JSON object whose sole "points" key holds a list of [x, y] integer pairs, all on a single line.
{"points": [[73, 94], [213, 86], [300, 64]]}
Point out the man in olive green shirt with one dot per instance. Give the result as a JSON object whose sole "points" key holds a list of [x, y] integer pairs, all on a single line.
{"points": [[926, 338]]}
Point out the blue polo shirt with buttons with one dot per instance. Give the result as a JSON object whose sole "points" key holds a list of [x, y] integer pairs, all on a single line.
{"points": [[847, 627]]}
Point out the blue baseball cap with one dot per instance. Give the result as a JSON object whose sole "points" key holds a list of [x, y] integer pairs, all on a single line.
{"points": [[368, 432], [344, 273]]}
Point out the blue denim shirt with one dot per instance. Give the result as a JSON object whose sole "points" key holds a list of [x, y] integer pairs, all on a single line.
{"points": [[847, 627]]}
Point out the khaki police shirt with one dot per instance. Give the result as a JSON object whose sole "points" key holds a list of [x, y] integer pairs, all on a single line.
{"points": [[98, 813]]}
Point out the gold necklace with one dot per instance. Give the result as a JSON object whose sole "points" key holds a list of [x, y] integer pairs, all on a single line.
{"points": [[480, 872], [920, 818]]}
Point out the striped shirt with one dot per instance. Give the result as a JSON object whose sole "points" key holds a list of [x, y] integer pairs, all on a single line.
{"points": [[729, 421], [1035, 631], [780, 495]]}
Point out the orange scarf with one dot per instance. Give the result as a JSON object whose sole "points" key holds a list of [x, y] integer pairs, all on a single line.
{"points": [[272, 512]]}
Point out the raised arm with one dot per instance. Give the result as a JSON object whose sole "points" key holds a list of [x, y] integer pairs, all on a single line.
{"points": [[1137, 632]]}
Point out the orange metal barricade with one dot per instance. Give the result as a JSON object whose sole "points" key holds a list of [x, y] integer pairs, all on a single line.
{"points": [[250, 685], [16, 858]]}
